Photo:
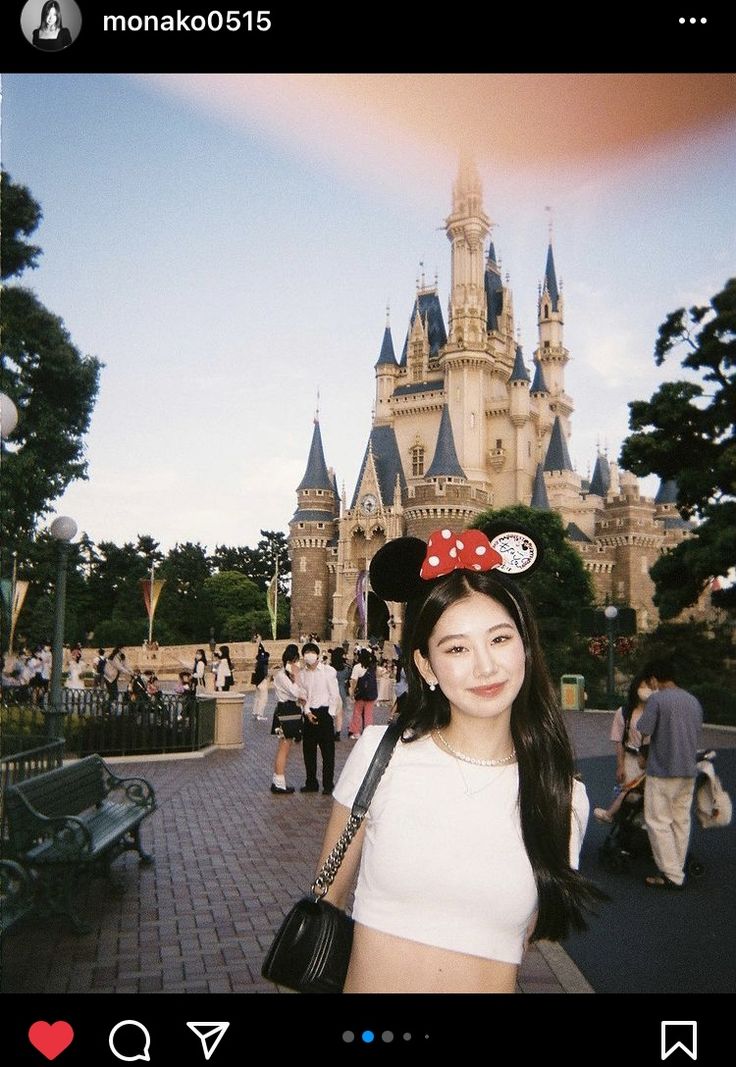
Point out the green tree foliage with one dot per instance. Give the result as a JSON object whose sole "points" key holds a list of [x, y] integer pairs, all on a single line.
{"points": [[686, 433], [259, 563], [53, 386], [233, 599], [558, 589], [184, 608]]}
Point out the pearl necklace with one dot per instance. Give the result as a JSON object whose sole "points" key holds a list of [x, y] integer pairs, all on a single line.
{"points": [[473, 759]]}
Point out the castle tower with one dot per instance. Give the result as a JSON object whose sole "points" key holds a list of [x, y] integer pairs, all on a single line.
{"points": [[312, 531], [551, 354], [387, 372], [467, 361]]}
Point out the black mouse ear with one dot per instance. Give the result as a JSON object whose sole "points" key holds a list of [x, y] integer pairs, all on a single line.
{"points": [[394, 570], [522, 553]]}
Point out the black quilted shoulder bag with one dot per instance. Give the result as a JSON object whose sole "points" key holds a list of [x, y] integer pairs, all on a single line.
{"points": [[311, 950]]}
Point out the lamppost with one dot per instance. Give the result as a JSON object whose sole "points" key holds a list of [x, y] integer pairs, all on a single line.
{"points": [[62, 529], [611, 613]]}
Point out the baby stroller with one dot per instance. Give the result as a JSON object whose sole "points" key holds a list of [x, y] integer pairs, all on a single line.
{"points": [[627, 840]]}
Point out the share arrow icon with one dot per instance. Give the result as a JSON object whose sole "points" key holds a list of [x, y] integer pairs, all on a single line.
{"points": [[210, 1034]]}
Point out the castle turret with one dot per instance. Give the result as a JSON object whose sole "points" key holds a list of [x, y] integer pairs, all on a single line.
{"points": [[312, 533], [551, 354], [387, 371]]}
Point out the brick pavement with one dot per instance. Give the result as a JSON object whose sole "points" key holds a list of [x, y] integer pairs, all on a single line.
{"points": [[230, 858]]}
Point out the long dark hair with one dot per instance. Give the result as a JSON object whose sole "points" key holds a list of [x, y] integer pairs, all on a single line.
{"points": [[45, 14], [543, 749]]}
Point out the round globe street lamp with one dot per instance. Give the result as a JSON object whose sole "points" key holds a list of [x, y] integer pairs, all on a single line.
{"points": [[611, 613], [8, 416], [62, 529]]}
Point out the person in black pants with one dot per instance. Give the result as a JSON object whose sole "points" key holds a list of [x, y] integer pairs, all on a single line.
{"points": [[319, 682]]}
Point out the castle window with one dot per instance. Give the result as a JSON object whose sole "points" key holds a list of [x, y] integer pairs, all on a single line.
{"points": [[499, 443], [302, 564], [417, 461], [546, 344], [320, 526], [528, 448], [546, 311], [301, 525], [318, 587], [472, 420]]}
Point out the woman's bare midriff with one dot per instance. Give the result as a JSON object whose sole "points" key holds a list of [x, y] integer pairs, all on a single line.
{"points": [[382, 963]]}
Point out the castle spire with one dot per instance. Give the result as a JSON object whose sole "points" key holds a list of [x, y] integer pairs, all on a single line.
{"points": [[558, 456], [550, 280], [445, 463], [316, 476], [539, 385], [539, 499]]}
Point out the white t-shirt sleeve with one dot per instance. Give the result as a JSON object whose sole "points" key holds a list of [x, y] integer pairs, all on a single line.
{"points": [[617, 726], [580, 813], [357, 764]]}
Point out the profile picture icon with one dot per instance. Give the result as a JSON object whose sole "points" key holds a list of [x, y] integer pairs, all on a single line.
{"points": [[51, 25]]}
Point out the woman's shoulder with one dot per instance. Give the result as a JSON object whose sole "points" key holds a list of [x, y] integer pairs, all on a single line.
{"points": [[580, 802]]}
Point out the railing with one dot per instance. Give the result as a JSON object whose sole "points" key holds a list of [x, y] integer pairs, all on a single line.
{"points": [[92, 721], [21, 765]]}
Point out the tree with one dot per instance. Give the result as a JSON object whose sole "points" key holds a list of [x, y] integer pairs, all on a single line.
{"points": [[53, 386], [559, 589], [687, 434], [257, 563], [236, 605], [184, 607]]}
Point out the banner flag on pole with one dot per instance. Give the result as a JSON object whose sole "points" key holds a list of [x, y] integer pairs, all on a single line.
{"points": [[360, 591], [151, 592], [272, 595], [21, 588]]}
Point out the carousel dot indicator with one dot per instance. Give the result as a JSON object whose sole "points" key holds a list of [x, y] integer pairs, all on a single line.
{"points": [[348, 1036], [387, 1037], [368, 1036]]}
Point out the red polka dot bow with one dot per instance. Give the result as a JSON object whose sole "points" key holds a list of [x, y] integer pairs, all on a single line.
{"points": [[447, 551]]}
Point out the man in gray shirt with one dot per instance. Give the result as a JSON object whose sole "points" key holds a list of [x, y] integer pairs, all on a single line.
{"points": [[672, 719]]}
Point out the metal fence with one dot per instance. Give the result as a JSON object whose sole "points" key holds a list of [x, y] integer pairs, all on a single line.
{"points": [[91, 721]]}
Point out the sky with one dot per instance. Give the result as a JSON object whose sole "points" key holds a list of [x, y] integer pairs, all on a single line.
{"points": [[228, 245]]}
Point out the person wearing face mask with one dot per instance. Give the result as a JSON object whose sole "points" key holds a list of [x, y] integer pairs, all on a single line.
{"points": [[628, 739], [322, 698]]}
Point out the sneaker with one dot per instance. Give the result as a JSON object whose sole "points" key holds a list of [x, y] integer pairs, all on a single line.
{"points": [[602, 815], [354, 737], [337, 735], [309, 789], [279, 789]]}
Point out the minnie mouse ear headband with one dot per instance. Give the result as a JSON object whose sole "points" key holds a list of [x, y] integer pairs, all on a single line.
{"points": [[400, 570]]}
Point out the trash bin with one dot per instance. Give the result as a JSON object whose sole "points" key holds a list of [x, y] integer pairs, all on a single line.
{"points": [[572, 692]]}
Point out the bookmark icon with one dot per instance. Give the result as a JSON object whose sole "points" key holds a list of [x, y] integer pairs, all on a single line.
{"points": [[210, 1034]]}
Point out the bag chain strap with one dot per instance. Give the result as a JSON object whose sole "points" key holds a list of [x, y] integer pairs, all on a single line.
{"points": [[331, 866]]}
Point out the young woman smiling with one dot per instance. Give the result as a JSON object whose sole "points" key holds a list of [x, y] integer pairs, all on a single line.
{"points": [[470, 845]]}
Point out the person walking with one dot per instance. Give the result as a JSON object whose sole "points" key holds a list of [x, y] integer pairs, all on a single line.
{"points": [[199, 672], [319, 684], [364, 691], [224, 676], [626, 737], [671, 721], [287, 718], [260, 681]]}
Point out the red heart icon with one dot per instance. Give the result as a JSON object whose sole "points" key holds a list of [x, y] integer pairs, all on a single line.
{"points": [[51, 1038]]}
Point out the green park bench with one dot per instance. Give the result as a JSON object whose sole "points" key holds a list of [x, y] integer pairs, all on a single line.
{"points": [[70, 823]]}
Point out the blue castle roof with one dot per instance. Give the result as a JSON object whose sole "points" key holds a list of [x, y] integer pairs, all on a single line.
{"points": [[316, 476], [445, 463], [558, 457]]}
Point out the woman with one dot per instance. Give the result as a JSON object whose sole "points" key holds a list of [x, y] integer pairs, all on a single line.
{"points": [[224, 676], [363, 690], [342, 669], [260, 681], [290, 701], [199, 671], [76, 668], [470, 842], [628, 741], [51, 35]]}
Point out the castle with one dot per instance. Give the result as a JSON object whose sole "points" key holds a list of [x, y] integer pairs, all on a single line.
{"points": [[460, 425]]}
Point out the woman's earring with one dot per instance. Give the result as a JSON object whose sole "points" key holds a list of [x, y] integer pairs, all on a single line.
{"points": [[432, 686]]}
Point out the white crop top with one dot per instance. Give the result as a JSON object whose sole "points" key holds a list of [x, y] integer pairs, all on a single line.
{"points": [[443, 859]]}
